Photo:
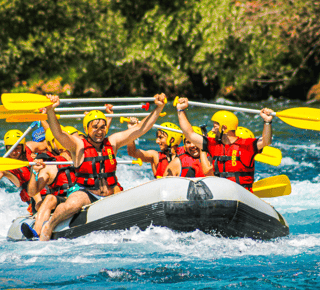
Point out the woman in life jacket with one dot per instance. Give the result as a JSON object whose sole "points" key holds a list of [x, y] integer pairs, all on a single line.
{"points": [[233, 157], [168, 142], [21, 176], [58, 178], [188, 163]]}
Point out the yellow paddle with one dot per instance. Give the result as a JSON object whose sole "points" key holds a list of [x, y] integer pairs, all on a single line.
{"points": [[29, 117], [9, 163], [269, 155], [27, 102], [304, 118], [272, 186], [4, 113]]}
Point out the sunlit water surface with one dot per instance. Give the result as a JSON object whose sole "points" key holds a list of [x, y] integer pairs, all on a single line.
{"points": [[159, 258]]}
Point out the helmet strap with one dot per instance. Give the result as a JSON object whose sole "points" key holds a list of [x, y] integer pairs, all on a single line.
{"points": [[168, 152], [220, 137]]}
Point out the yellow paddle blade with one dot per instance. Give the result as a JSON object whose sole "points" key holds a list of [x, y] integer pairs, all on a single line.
{"points": [[9, 163], [24, 101], [26, 118], [272, 186], [304, 118], [269, 155], [4, 113]]}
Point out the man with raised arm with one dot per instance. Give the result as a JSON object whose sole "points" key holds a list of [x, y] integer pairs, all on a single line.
{"points": [[233, 157], [94, 159]]}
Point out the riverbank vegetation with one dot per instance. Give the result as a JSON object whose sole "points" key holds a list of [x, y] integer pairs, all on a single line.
{"points": [[242, 50]]}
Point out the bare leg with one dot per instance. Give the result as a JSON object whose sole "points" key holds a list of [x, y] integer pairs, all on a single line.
{"points": [[65, 210], [49, 203]]}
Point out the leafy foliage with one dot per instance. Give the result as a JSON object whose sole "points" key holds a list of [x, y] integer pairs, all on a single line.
{"points": [[201, 49]]}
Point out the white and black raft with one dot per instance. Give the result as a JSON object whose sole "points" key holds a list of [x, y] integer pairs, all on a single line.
{"points": [[212, 205]]}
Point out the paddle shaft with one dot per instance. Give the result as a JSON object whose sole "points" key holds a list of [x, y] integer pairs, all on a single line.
{"points": [[71, 162], [223, 107], [154, 126], [166, 128], [111, 100], [17, 143], [97, 108], [107, 115]]}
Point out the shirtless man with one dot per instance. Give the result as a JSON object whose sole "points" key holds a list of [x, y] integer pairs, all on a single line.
{"points": [[96, 148]]}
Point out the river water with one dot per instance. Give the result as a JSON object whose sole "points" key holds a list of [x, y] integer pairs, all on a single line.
{"points": [[159, 258]]}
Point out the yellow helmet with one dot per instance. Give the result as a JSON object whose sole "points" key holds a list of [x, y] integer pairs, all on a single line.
{"points": [[12, 136], [51, 139], [244, 133], [91, 116], [211, 134], [196, 129], [226, 118], [71, 130], [176, 136]]}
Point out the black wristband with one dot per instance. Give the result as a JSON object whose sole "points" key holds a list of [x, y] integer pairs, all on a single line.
{"points": [[267, 123]]}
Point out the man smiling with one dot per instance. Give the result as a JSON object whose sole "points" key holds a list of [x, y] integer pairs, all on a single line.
{"points": [[187, 164], [94, 159]]}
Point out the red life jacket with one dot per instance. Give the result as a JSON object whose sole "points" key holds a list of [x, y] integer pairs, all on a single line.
{"points": [[162, 165], [180, 150], [64, 179], [235, 161], [89, 172], [23, 175], [28, 153], [190, 167]]}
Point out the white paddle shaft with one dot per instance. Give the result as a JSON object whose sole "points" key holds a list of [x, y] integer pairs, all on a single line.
{"points": [[106, 100], [71, 162], [107, 115], [223, 107], [97, 108], [166, 128]]}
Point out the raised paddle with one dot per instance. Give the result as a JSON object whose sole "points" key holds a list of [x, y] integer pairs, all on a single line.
{"points": [[115, 108], [35, 116], [4, 113], [9, 163], [269, 155], [27, 102], [303, 118], [25, 133], [272, 186]]}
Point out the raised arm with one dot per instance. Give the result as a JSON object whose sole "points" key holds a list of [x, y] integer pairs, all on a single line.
{"points": [[109, 110], [185, 125], [126, 137], [267, 128], [206, 164], [68, 141], [150, 156]]}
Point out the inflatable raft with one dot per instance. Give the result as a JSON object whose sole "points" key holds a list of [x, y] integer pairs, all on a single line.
{"points": [[212, 205]]}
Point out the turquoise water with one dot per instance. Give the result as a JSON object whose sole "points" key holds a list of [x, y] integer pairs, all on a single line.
{"points": [[159, 258]]}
